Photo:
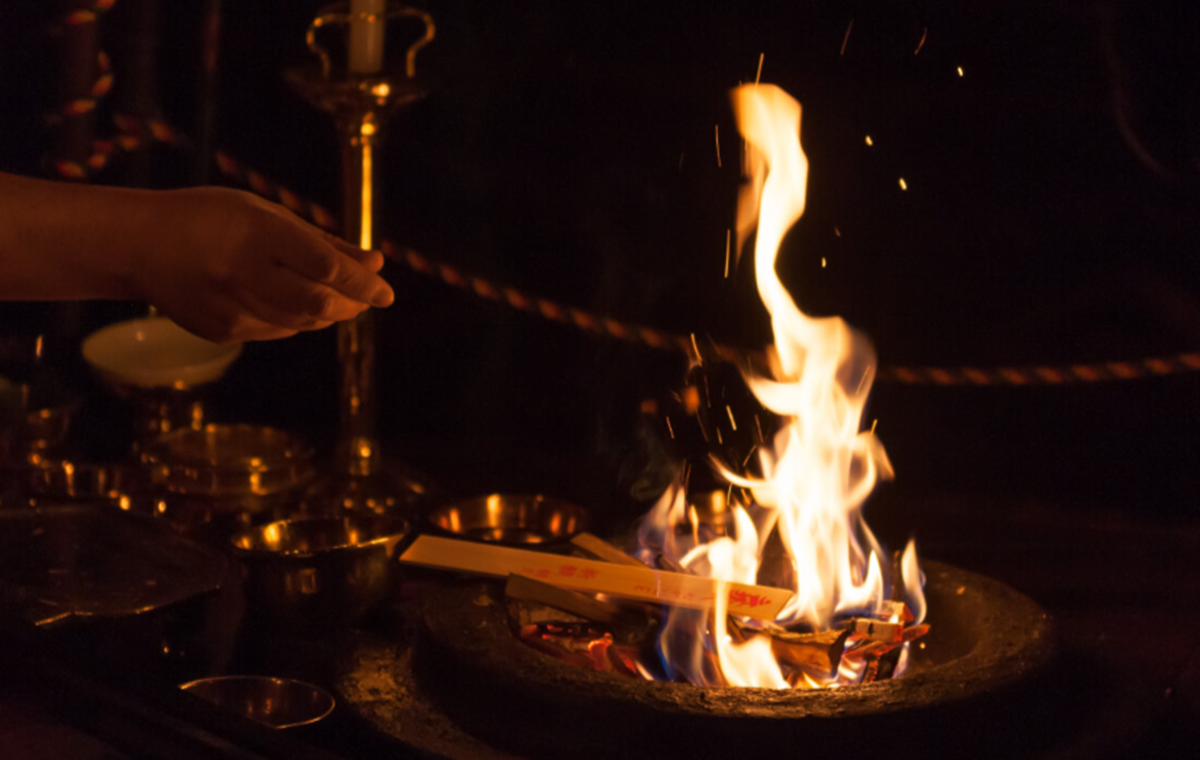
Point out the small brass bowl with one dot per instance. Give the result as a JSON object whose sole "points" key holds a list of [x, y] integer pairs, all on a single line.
{"points": [[319, 573], [275, 702], [512, 520]]}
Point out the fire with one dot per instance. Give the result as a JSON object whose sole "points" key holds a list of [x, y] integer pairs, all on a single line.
{"points": [[814, 477]]}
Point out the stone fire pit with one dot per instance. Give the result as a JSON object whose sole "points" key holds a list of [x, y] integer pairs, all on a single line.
{"points": [[979, 688]]}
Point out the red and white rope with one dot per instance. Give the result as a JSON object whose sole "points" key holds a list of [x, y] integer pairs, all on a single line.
{"points": [[1034, 375]]}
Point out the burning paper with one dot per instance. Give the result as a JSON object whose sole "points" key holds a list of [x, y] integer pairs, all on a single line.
{"points": [[812, 478]]}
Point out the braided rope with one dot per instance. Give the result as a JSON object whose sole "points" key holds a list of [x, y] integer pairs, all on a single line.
{"points": [[1044, 375], [271, 190], [102, 149], [965, 376]]}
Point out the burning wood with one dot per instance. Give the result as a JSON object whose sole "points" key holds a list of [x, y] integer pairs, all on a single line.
{"points": [[619, 635], [815, 653], [877, 630], [580, 645]]}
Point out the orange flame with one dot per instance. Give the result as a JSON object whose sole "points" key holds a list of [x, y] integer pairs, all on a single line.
{"points": [[821, 465]]}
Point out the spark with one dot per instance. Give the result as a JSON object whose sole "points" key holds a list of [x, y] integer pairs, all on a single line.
{"points": [[758, 76], [870, 141], [727, 233], [847, 37], [960, 71], [717, 137], [874, 424], [837, 232], [921, 44], [731, 421], [746, 461], [758, 426], [866, 376], [822, 262], [670, 430], [903, 184], [696, 346]]}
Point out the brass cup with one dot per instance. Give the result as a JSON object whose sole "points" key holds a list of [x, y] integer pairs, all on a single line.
{"points": [[512, 520], [274, 702], [319, 573]]}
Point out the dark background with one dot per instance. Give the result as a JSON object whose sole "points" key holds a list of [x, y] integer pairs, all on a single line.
{"points": [[567, 149]]}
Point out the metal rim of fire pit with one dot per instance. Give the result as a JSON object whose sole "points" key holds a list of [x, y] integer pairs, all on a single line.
{"points": [[997, 646]]}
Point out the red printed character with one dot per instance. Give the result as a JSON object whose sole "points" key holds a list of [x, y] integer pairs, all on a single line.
{"points": [[587, 573], [567, 571], [543, 572]]}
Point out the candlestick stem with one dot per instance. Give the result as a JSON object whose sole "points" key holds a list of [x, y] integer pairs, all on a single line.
{"points": [[359, 451], [360, 105]]}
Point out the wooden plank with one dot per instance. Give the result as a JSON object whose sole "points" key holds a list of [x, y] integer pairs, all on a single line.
{"points": [[642, 583], [533, 590], [601, 549]]}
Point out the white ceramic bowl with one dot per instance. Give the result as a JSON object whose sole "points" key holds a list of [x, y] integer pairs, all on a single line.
{"points": [[156, 353]]}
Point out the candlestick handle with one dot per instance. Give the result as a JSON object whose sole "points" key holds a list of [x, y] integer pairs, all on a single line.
{"points": [[339, 13]]}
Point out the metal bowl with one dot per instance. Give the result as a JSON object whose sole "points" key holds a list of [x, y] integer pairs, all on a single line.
{"points": [[322, 572], [512, 520], [275, 702], [34, 417]]}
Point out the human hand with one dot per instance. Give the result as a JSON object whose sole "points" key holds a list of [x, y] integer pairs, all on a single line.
{"points": [[230, 266]]}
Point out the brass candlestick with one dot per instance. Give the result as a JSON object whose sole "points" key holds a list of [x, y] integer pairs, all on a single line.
{"points": [[361, 105]]}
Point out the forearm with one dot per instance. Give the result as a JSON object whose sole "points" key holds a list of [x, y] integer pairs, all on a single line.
{"points": [[61, 241]]}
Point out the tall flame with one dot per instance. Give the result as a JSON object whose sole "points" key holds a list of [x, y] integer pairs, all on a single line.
{"points": [[821, 465]]}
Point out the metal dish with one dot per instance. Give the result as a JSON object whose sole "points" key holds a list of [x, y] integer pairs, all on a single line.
{"points": [[91, 561], [228, 460], [275, 702], [321, 572], [513, 520], [116, 587]]}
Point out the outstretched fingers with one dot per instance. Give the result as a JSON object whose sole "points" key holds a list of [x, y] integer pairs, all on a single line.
{"points": [[329, 265], [289, 299]]}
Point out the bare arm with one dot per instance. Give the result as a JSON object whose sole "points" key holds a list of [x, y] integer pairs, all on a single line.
{"points": [[224, 264]]}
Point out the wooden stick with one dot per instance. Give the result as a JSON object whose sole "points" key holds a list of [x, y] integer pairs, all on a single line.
{"points": [[601, 549], [640, 583], [533, 590]]}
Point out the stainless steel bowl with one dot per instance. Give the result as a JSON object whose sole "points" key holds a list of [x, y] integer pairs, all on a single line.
{"points": [[275, 702], [321, 572], [514, 520]]}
